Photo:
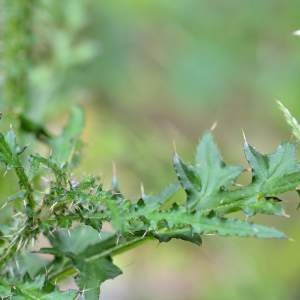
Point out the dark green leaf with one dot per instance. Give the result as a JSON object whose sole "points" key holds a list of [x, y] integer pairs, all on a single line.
{"points": [[93, 273]]}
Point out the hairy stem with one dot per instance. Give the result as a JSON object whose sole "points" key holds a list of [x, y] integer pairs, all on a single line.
{"points": [[14, 160]]}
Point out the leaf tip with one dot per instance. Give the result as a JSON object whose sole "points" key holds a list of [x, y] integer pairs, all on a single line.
{"points": [[174, 147], [296, 32], [176, 158], [114, 180]]}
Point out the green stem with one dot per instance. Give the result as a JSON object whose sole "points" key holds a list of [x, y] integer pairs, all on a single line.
{"points": [[118, 249], [10, 158]]}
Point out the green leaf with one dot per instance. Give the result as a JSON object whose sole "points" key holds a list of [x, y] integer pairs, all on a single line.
{"points": [[266, 168], [34, 290], [188, 179], [214, 225], [282, 184], [31, 294], [52, 165], [32, 264], [79, 244], [5, 291], [182, 234], [272, 175], [8, 149], [162, 201], [93, 273], [75, 240], [58, 295], [115, 212], [208, 177], [11, 141], [212, 171], [209, 183]]}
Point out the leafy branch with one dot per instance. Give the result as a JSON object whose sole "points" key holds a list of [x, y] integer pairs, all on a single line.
{"points": [[70, 212]]}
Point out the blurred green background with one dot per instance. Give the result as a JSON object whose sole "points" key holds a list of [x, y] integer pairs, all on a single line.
{"points": [[150, 72]]}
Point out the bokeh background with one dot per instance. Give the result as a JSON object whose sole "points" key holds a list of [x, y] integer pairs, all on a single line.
{"points": [[150, 72]]}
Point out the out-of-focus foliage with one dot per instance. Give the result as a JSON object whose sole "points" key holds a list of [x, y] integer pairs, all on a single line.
{"points": [[138, 51], [185, 49]]}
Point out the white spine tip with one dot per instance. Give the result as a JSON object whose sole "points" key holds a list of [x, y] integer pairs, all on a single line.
{"points": [[214, 125], [281, 106], [174, 147], [284, 214], [296, 32], [114, 169], [244, 137], [279, 102], [142, 191]]}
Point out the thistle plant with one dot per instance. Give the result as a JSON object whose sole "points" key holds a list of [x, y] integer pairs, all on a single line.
{"points": [[51, 204], [70, 212]]}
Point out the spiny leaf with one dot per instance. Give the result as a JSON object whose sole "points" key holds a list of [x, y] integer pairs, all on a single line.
{"points": [[208, 176], [212, 171], [34, 290], [74, 240], [160, 201], [187, 178], [266, 168], [116, 213], [214, 225], [78, 245], [272, 175], [182, 234], [92, 274], [209, 183], [52, 165]]}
